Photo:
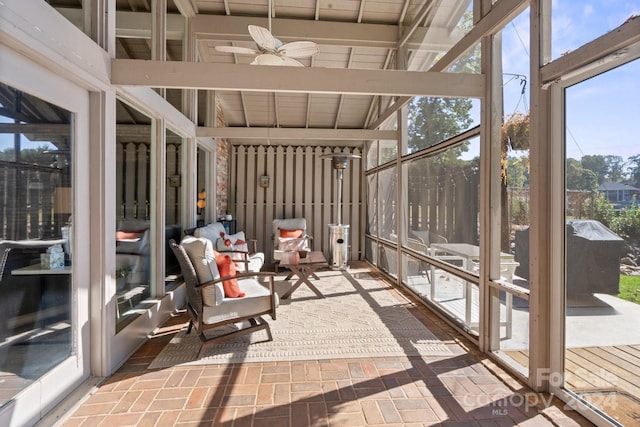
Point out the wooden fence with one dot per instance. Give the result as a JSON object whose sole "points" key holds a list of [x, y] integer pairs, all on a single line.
{"points": [[301, 184]]}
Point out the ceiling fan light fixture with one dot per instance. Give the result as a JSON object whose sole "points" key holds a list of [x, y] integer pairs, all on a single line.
{"points": [[269, 59], [271, 50]]}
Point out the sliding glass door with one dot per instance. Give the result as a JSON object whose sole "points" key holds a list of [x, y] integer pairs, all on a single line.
{"points": [[43, 261], [602, 242]]}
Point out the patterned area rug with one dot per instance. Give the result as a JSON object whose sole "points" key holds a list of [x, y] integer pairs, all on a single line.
{"points": [[357, 318]]}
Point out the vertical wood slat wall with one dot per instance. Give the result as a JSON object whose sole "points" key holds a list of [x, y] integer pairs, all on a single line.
{"points": [[302, 184], [134, 194]]}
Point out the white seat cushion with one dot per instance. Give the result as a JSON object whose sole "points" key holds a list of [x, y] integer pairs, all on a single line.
{"points": [[257, 299]]}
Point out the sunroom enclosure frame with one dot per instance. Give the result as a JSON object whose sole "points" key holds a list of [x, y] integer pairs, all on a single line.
{"points": [[90, 64]]}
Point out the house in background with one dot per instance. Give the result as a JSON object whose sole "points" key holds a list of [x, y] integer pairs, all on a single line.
{"points": [[619, 194]]}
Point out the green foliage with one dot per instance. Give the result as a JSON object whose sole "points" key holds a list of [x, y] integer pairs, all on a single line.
{"points": [[597, 164], [630, 288], [518, 176], [29, 155], [515, 132], [603, 211], [433, 120], [625, 223], [579, 178], [634, 169], [521, 212], [615, 168]]}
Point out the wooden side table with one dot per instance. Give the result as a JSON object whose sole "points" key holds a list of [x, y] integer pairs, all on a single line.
{"points": [[305, 269]]}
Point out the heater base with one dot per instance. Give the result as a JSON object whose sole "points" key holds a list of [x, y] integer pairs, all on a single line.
{"points": [[338, 246]]}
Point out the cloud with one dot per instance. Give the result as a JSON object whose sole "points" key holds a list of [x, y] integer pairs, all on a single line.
{"points": [[587, 11]]}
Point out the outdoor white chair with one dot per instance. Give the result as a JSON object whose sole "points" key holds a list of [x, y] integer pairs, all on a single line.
{"points": [[250, 259], [289, 235], [207, 305]]}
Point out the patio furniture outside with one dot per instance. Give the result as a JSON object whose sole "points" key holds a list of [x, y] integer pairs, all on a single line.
{"points": [[469, 255]]}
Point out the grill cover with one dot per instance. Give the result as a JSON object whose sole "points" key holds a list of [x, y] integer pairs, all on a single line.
{"points": [[593, 257]]}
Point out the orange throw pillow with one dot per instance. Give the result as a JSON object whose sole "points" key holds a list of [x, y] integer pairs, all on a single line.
{"points": [[227, 267], [290, 233], [129, 236]]}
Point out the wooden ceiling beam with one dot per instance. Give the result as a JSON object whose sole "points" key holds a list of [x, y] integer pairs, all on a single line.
{"points": [[208, 76], [261, 133]]}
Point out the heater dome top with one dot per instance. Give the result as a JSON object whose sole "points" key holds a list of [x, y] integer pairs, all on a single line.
{"points": [[339, 160]]}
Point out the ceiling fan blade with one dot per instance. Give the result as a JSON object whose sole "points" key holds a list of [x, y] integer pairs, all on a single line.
{"points": [[290, 62], [263, 38], [236, 49], [301, 49]]}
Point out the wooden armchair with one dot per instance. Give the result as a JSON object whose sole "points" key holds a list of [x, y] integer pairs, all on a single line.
{"points": [[293, 233], [207, 305]]}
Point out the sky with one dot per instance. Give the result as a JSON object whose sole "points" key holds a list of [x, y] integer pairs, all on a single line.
{"points": [[601, 113]]}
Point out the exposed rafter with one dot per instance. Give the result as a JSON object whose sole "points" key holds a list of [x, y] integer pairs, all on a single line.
{"points": [[234, 28]]}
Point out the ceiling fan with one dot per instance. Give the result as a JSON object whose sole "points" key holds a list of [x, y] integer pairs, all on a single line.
{"points": [[270, 50]]}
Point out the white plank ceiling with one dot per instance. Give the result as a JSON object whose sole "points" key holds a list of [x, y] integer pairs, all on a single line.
{"points": [[351, 34]]}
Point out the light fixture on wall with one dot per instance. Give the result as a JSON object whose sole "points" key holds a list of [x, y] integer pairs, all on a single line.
{"points": [[201, 204]]}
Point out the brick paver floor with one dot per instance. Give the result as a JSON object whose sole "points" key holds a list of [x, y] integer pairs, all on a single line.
{"points": [[464, 389]]}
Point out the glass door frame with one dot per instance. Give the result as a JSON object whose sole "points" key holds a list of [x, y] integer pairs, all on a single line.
{"points": [[53, 386], [557, 131]]}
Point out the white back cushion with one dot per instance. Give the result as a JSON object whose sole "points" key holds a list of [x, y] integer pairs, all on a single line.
{"points": [[210, 231], [200, 252]]}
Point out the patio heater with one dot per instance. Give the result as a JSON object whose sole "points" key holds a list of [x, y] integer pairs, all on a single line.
{"points": [[339, 232]]}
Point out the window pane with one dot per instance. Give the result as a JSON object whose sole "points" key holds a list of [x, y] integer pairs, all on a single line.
{"points": [[602, 222], [133, 196], [371, 154], [387, 193], [443, 214], [388, 151], [433, 120], [514, 194], [372, 204], [443, 196], [445, 26], [36, 193], [173, 209], [575, 23]]}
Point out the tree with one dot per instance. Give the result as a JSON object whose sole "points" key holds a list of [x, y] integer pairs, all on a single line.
{"points": [[634, 169], [518, 172], [615, 168], [574, 171], [36, 155], [579, 178], [433, 120], [597, 164]]}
